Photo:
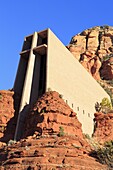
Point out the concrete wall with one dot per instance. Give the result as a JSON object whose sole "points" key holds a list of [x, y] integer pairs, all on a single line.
{"points": [[68, 77]]}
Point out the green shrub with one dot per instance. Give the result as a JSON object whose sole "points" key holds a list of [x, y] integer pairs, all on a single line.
{"points": [[11, 142], [106, 105], [108, 143], [109, 92], [105, 154], [87, 136], [107, 57], [107, 89], [49, 89], [61, 131]]}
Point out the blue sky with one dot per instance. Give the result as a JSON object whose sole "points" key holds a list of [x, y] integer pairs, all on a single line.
{"points": [[65, 18]]}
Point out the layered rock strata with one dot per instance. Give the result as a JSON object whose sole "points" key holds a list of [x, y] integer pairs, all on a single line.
{"points": [[54, 140], [92, 47], [48, 153], [103, 127]]}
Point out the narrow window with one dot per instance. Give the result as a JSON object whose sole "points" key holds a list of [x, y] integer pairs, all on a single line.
{"points": [[83, 112], [72, 105], [88, 114], [77, 108], [27, 43]]}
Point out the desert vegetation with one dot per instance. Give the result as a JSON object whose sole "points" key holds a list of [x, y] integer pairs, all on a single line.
{"points": [[104, 154]]}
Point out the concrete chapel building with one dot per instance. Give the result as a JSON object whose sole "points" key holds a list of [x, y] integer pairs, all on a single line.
{"points": [[45, 63]]}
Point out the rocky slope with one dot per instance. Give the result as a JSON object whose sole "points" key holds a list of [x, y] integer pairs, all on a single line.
{"points": [[54, 140], [94, 49], [48, 153]]}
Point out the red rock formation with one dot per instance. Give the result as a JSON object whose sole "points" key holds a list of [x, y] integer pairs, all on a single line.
{"points": [[45, 147], [104, 125], [90, 47], [6, 113], [49, 114]]}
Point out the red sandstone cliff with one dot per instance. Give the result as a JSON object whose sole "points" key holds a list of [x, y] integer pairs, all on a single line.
{"points": [[104, 127], [93, 48]]}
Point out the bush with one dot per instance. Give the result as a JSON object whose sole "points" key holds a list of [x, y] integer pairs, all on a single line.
{"points": [[61, 131], [49, 89], [87, 136], [106, 105], [105, 154], [11, 142], [109, 92], [107, 57]]}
